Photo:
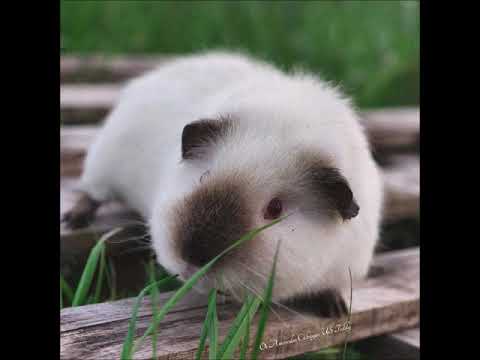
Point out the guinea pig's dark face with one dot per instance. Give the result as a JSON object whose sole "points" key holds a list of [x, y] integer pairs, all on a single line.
{"points": [[225, 205], [211, 219]]}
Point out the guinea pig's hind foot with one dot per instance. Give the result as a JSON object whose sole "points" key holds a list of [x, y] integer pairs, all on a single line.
{"points": [[327, 303], [82, 213]]}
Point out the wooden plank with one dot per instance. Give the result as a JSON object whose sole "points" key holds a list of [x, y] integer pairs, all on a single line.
{"points": [[106, 68], [410, 337], [402, 188], [383, 304], [395, 128], [74, 142], [388, 131], [86, 103]]}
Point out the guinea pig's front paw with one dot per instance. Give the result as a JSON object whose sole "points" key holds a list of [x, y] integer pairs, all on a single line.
{"points": [[76, 220], [326, 303], [81, 214]]}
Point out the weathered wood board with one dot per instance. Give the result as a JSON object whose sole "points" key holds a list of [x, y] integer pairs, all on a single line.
{"points": [[106, 68], [383, 304], [410, 337], [402, 188], [396, 128]]}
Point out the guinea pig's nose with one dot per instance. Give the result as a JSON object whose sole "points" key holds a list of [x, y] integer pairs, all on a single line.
{"points": [[212, 218]]}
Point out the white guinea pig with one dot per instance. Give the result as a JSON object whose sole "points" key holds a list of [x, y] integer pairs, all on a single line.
{"points": [[208, 147]]}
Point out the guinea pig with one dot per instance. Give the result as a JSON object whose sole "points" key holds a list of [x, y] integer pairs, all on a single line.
{"points": [[210, 146]]}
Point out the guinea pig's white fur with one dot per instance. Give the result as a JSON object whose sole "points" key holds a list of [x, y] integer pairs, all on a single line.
{"points": [[137, 157]]}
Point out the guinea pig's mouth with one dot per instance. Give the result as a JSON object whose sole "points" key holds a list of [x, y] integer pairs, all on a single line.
{"points": [[188, 272], [206, 282]]}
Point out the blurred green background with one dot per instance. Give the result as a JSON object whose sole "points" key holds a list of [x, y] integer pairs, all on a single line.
{"points": [[370, 48]]}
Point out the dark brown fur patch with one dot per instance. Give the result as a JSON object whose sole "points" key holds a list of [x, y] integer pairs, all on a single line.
{"points": [[82, 213], [209, 220], [331, 191], [197, 135], [326, 303]]}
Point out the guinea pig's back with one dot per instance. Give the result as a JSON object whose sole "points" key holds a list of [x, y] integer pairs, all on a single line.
{"points": [[140, 138]]}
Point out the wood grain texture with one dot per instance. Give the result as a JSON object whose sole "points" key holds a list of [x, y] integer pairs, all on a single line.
{"points": [[410, 337], [394, 128], [389, 131], [386, 303], [74, 69], [402, 188], [397, 128]]}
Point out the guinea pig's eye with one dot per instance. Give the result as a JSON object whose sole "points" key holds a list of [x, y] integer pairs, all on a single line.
{"points": [[204, 175], [273, 210]]}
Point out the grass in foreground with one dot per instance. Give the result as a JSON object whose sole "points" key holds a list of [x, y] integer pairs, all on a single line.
{"points": [[238, 335], [130, 347]]}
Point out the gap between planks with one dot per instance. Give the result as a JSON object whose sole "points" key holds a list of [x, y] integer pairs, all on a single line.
{"points": [[383, 304]]}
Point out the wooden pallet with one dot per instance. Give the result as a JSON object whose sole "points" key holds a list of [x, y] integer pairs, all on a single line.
{"points": [[383, 304], [94, 69]]}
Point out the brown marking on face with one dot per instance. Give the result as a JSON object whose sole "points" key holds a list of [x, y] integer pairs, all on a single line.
{"points": [[198, 135], [331, 191], [211, 219]]}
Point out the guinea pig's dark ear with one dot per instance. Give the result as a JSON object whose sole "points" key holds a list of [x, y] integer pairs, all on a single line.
{"points": [[334, 189], [198, 135]]}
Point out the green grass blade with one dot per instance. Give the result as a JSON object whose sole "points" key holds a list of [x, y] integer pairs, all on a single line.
{"points": [[245, 341], [187, 286], [128, 343], [238, 329], [66, 289], [206, 324], [213, 327], [267, 297], [90, 300], [100, 276], [112, 279], [237, 322], [154, 298], [349, 313], [81, 294]]}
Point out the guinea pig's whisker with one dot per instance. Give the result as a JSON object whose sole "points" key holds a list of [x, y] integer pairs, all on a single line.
{"points": [[130, 222], [135, 249], [230, 287], [220, 285], [283, 306], [253, 291], [248, 268], [141, 238], [256, 293], [274, 302]]}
